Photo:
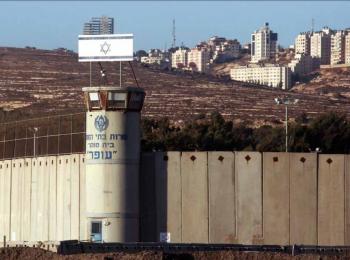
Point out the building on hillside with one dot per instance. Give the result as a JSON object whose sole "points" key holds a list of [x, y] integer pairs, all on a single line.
{"points": [[302, 43], [221, 49], [198, 59], [179, 59], [320, 45], [338, 47], [347, 47], [99, 25], [157, 57], [272, 75], [226, 51], [304, 64], [263, 44]]}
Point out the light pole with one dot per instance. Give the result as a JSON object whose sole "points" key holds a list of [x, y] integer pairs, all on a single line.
{"points": [[286, 102], [34, 130]]}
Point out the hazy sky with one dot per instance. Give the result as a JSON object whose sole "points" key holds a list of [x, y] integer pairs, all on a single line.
{"points": [[49, 24]]}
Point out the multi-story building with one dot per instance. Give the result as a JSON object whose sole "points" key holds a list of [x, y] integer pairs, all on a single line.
{"points": [[198, 59], [179, 58], [338, 47], [221, 49], [302, 43], [157, 57], [347, 48], [272, 75], [320, 45], [227, 50], [263, 44], [99, 25], [304, 64]]}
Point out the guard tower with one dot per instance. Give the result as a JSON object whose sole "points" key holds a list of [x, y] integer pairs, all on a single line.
{"points": [[112, 162]]}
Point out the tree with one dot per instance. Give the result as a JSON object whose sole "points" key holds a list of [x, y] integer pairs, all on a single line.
{"points": [[140, 53], [329, 132], [180, 65], [193, 66]]}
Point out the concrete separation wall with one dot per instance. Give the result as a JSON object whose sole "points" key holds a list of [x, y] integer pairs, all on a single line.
{"points": [[303, 198], [222, 218], [197, 197], [40, 199], [194, 182], [248, 186], [331, 200], [276, 198], [168, 195]]}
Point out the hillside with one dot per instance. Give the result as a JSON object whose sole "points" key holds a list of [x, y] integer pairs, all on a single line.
{"points": [[38, 82], [331, 82]]}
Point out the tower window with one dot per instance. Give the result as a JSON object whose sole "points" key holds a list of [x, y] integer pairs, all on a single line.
{"points": [[94, 100], [116, 100]]}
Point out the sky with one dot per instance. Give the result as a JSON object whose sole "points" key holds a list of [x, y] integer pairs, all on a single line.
{"points": [[53, 24]]}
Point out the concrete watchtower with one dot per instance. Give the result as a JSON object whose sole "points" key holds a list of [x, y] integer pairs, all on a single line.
{"points": [[112, 162]]}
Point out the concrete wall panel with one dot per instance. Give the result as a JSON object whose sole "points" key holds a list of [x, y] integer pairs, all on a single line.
{"points": [[74, 158], [66, 164], [331, 200], [148, 221], [303, 198], [27, 193], [248, 194], [22, 197], [194, 181], [276, 198], [83, 234], [15, 212], [16, 199], [221, 197], [43, 199], [52, 172], [7, 195], [34, 230], [168, 194], [61, 182], [2, 200], [347, 200]]}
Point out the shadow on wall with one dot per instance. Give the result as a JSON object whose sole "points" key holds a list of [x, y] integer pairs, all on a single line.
{"points": [[245, 198]]}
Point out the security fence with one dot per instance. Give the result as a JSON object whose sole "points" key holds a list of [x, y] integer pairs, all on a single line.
{"points": [[50, 135]]}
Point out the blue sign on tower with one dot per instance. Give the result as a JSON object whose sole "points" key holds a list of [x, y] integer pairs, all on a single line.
{"points": [[101, 123]]}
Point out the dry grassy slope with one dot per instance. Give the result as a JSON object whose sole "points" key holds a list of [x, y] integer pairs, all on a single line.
{"points": [[39, 81], [334, 83]]}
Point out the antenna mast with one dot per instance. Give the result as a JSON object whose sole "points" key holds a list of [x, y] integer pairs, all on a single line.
{"points": [[312, 25], [174, 35]]}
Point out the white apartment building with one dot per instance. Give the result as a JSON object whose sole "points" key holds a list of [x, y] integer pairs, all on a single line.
{"points": [[263, 44], [151, 60], [302, 43], [198, 59], [272, 75], [320, 45], [338, 47], [221, 49], [227, 50], [304, 64], [155, 56], [347, 48], [179, 58]]}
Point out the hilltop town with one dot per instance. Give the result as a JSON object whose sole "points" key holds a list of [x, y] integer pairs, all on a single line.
{"points": [[182, 83], [262, 61]]}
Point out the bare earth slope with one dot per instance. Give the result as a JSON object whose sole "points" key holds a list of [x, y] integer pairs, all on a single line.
{"points": [[333, 82], [39, 254], [39, 81]]}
